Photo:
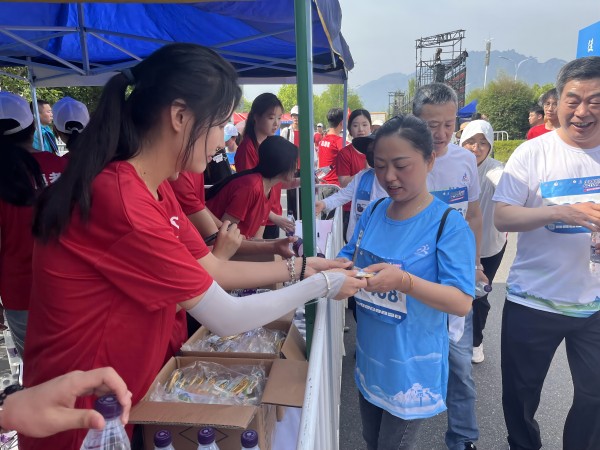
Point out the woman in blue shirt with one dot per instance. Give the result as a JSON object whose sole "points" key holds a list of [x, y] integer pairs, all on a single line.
{"points": [[423, 257]]}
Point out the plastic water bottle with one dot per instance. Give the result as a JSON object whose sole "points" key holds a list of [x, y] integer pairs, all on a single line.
{"points": [[163, 440], [482, 289], [113, 436], [322, 172], [594, 257], [250, 440], [292, 219], [14, 359], [206, 439]]}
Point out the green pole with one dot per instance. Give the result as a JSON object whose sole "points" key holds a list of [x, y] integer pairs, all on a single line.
{"points": [[303, 23]]}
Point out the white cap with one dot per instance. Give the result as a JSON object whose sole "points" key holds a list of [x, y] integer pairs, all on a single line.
{"points": [[14, 107], [475, 127], [68, 109], [230, 131], [294, 110], [319, 125]]}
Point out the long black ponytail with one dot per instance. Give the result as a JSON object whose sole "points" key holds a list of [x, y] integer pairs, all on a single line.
{"points": [[120, 123]]}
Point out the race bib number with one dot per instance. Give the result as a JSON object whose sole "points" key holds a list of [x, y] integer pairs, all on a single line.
{"points": [[456, 198], [390, 306]]}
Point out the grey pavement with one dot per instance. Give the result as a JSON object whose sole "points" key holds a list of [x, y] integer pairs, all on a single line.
{"points": [[556, 396]]}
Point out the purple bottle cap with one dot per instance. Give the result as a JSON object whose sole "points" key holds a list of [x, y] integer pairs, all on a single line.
{"points": [[206, 436], [487, 288], [162, 438], [249, 439], [108, 406]]}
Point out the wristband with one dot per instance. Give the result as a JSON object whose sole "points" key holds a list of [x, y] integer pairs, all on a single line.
{"points": [[479, 267], [9, 390], [303, 267]]}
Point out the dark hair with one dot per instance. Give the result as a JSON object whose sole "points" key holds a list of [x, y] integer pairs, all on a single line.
{"points": [[260, 105], [40, 102], [335, 117], [20, 174], [357, 113], [412, 129], [433, 94], [537, 109], [585, 68], [552, 93], [476, 116], [120, 123], [276, 156]]}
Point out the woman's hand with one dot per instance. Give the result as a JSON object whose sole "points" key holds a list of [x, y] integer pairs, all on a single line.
{"points": [[351, 284], [282, 246], [286, 225], [387, 278], [315, 264], [48, 408], [319, 207], [228, 241]]}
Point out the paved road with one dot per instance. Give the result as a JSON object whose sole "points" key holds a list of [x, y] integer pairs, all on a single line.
{"points": [[556, 396]]}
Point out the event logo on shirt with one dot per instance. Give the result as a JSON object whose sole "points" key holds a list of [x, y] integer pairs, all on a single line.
{"points": [[173, 221], [465, 178]]}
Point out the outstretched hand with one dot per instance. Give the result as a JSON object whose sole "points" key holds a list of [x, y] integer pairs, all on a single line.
{"points": [[48, 408]]}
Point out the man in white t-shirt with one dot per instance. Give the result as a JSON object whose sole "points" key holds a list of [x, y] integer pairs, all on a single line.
{"points": [[550, 194], [455, 181]]}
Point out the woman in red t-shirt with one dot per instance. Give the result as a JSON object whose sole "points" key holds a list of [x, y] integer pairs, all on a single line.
{"points": [[24, 172], [244, 198], [115, 255], [264, 120], [350, 161]]}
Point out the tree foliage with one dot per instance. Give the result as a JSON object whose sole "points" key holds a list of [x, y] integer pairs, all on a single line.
{"points": [[333, 97], [506, 103], [88, 95], [288, 94], [244, 105]]}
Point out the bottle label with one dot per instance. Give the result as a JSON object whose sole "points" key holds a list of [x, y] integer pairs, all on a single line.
{"points": [[595, 239]]}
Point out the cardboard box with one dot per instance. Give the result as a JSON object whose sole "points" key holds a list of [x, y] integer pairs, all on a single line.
{"points": [[285, 386], [293, 346]]}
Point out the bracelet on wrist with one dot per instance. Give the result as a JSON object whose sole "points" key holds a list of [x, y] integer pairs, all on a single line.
{"points": [[291, 265], [9, 390], [328, 283], [303, 271], [479, 267]]}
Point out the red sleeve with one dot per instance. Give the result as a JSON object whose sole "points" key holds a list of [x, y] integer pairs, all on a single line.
{"points": [[241, 199], [153, 267], [188, 192], [191, 238], [246, 156], [343, 162]]}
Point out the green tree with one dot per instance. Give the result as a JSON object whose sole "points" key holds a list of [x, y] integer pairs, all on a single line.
{"points": [[506, 103], [288, 94], [333, 97], [539, 90], [244, 105], [473, 94]]}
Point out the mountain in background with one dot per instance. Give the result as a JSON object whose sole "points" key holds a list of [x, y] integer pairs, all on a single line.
{"points": [[374, 94]]}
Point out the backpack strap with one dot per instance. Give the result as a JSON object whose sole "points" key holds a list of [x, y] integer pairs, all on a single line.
{"points": [[442, 223]]}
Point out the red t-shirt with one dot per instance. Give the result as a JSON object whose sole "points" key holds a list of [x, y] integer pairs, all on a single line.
{"points": [[16, 240], [349, 162], [243, 198], [329, 147], [105, 293], [536, 131], [317, 138], [189, 191], [246, 158]]}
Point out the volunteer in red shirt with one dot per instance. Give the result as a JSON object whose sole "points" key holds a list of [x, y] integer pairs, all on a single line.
{"points": [[318, 135], [264, 120], [244, 197], [115, 255], [24, 172], [549, 102], [331, 144], [349, 160]]}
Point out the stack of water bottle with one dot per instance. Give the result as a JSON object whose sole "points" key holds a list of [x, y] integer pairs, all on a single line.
{"points": [[114, 437]]}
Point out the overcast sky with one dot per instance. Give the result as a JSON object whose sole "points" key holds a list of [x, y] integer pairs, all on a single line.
{"points": [[382, 33]]}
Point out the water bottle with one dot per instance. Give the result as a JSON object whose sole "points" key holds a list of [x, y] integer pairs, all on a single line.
{"points": [[594, 257], [14, 359], [113, 436], [206, 439], [292, 219], [322, 172], [250, 440], [482, 289], [163, 440]]}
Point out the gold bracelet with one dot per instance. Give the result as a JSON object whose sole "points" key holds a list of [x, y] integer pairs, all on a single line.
{"points": [[410, 279], [402, 279]]}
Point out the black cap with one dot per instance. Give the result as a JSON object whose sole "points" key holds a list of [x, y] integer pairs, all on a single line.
{"points": [[362, 143]]}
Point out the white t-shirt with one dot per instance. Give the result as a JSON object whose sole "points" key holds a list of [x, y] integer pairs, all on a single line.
{"points": [[492, 240], [551, 268], [454, 180]]}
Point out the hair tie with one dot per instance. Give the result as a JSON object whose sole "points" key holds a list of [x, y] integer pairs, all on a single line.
{"points": [[128, 74]]}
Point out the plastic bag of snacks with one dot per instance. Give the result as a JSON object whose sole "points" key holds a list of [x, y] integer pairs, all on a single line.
{"points": [[212, 383], [260, 340]]}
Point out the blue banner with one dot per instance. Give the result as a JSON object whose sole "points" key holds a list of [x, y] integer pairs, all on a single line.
{"points": [[588, 43]]}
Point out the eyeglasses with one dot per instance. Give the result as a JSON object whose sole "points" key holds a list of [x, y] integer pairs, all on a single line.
{"points": [[550, 105]]}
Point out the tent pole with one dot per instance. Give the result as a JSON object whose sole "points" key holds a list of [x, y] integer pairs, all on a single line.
{"points": [[345, 132], [304, 60], [34, 108]]}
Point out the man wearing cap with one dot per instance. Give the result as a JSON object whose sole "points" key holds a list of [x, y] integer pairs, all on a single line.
{"points": [[231, 133], [48, 138], [291, 133], [318, 135], [70, 118]]}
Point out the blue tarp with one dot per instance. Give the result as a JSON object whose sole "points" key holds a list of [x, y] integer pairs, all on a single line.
{"points": [[588, 43], [468, 110], [64, 41]]}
